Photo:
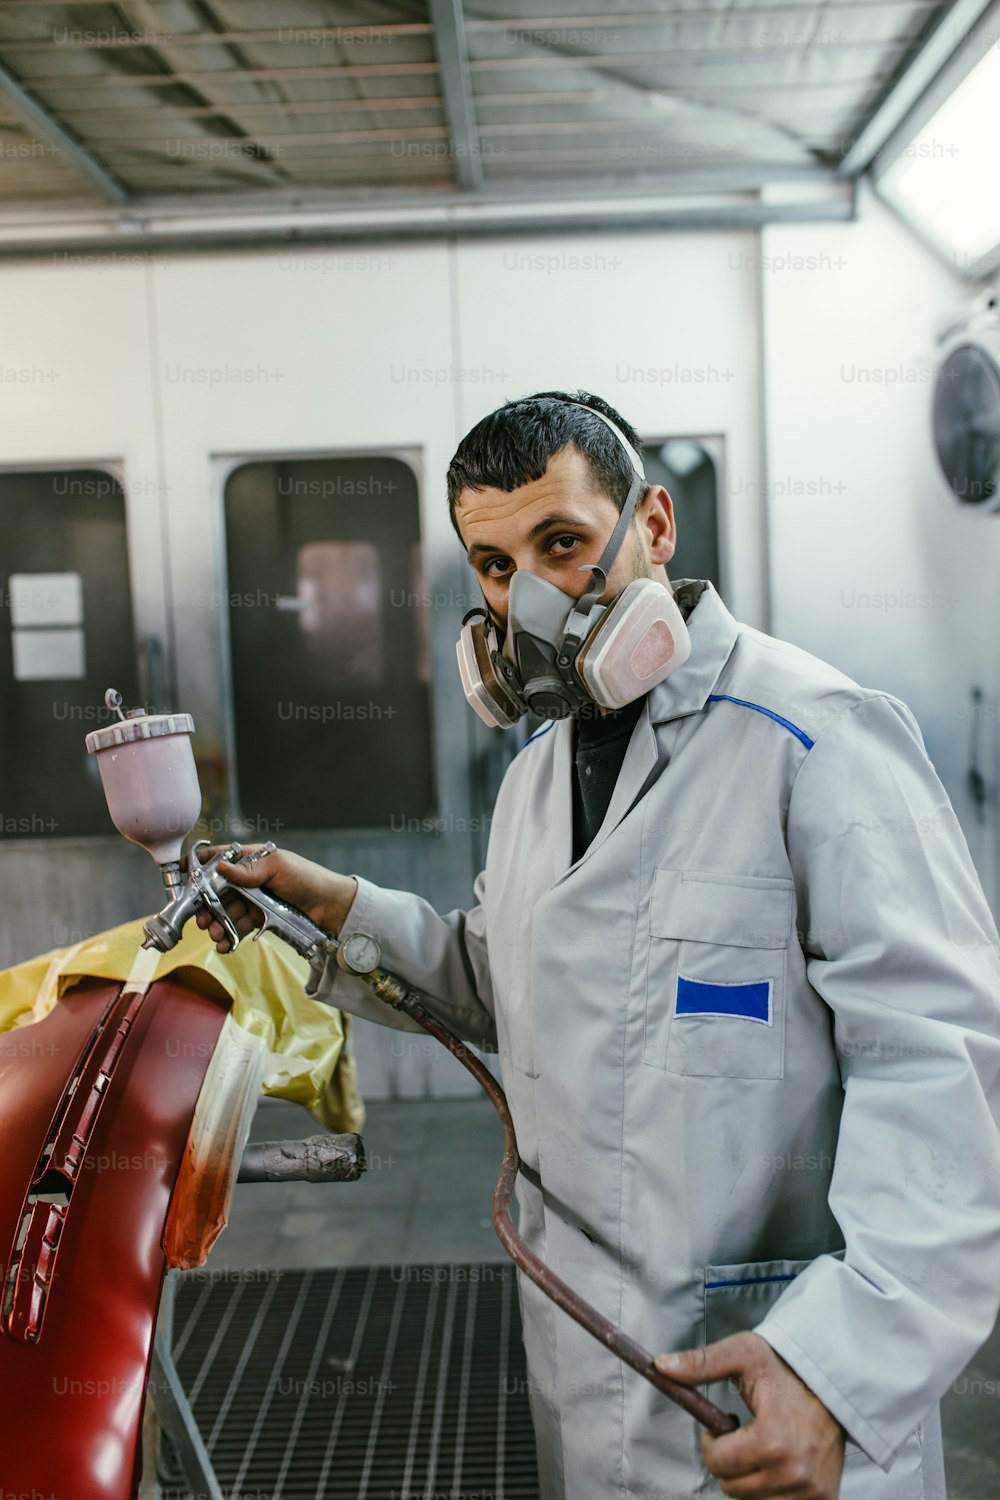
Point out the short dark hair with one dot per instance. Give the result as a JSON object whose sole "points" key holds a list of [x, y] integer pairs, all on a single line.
{"points": [[513, 445]]}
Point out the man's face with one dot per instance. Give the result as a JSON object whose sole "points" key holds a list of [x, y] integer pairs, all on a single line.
{"points": [[556, 525]]}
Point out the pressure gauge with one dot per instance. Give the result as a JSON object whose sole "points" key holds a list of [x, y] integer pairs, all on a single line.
{"points": [[359, 954]]}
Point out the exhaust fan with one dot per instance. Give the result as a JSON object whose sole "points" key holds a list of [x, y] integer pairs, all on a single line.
{"points": [[966, 410]]}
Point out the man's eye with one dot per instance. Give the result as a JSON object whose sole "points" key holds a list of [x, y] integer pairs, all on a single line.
{"points": [[564, 543], [497, 567]]}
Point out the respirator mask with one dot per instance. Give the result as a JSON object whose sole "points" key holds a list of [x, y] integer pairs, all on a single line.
{"points": [[559, 653]]}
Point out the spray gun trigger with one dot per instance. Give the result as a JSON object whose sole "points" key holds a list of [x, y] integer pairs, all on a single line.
{"points": [[213, 902], [266, 915]]}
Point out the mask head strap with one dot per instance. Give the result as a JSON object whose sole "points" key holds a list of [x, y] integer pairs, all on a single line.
{"points": [[577, 623]]}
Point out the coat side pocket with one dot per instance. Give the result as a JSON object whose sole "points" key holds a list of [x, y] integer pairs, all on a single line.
{"points": [[737, 1298]]}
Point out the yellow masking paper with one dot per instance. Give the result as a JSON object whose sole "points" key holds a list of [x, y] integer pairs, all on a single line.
{"points": [[261, 984]]}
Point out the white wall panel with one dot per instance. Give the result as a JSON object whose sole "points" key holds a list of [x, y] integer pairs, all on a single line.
{"points": [[873, 566]]}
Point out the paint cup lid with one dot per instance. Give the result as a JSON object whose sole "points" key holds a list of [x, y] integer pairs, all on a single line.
{"points": [[137, 725]]}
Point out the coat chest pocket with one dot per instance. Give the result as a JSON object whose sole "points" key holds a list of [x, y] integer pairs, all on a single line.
{"points": [[715, 983]]}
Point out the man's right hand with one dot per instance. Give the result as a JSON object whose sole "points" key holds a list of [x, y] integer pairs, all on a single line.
{"points": [[324, 896]]}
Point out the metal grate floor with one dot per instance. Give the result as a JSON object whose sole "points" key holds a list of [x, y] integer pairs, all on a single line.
{"points": [[402, 1382]]}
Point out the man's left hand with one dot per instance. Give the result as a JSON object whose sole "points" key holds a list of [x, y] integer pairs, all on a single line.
{"points": [[792, 1447]]}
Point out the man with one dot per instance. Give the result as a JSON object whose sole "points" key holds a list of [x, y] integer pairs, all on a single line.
{"points": [[744, 984]]}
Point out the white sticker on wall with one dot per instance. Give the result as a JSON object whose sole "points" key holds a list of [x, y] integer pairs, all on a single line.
{"points": [[47, 654], [46, 599]]}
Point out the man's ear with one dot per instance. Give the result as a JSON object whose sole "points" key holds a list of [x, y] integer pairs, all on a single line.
{"points": [[655, 518]]}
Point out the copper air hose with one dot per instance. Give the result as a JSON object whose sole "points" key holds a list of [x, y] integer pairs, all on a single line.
{"points": [[704, 1411]]}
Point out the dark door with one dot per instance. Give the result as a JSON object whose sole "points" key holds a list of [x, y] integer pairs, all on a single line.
{"points": [[328, 631], [66, 635]]}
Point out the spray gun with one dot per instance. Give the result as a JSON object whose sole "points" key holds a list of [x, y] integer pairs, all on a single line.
{"points": [[150, 780]]}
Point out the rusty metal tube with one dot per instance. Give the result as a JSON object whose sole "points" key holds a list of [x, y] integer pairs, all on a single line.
{"points": [[317, 1158]]}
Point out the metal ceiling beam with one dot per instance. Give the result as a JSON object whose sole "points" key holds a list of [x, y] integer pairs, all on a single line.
{"points": [[468, 218], [48, 128], [453, 59], [949, 37], [519, 195], [355, 194]]}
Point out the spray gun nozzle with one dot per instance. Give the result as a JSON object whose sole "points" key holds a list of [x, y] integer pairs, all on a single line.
{"points": [[165, 930]]}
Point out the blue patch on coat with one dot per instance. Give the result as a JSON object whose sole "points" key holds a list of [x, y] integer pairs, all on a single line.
{"points": [[696, 997]]}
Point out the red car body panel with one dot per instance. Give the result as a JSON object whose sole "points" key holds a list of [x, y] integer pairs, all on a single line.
{"points": [[82, 1279]]}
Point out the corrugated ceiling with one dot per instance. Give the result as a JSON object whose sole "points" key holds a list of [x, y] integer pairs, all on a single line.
{"points": [[244, 96]]}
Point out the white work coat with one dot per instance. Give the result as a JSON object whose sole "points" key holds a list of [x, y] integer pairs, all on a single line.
{"points": [[751, 1044]]}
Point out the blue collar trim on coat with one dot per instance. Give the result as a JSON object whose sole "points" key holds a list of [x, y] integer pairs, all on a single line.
{"points": [[799, 734], [538, 734]]}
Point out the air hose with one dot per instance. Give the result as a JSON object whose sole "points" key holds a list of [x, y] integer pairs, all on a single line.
{"points": [[389, 987]]}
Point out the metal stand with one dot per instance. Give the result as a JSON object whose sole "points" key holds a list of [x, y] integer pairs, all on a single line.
{"points": [[318, 1158]]}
